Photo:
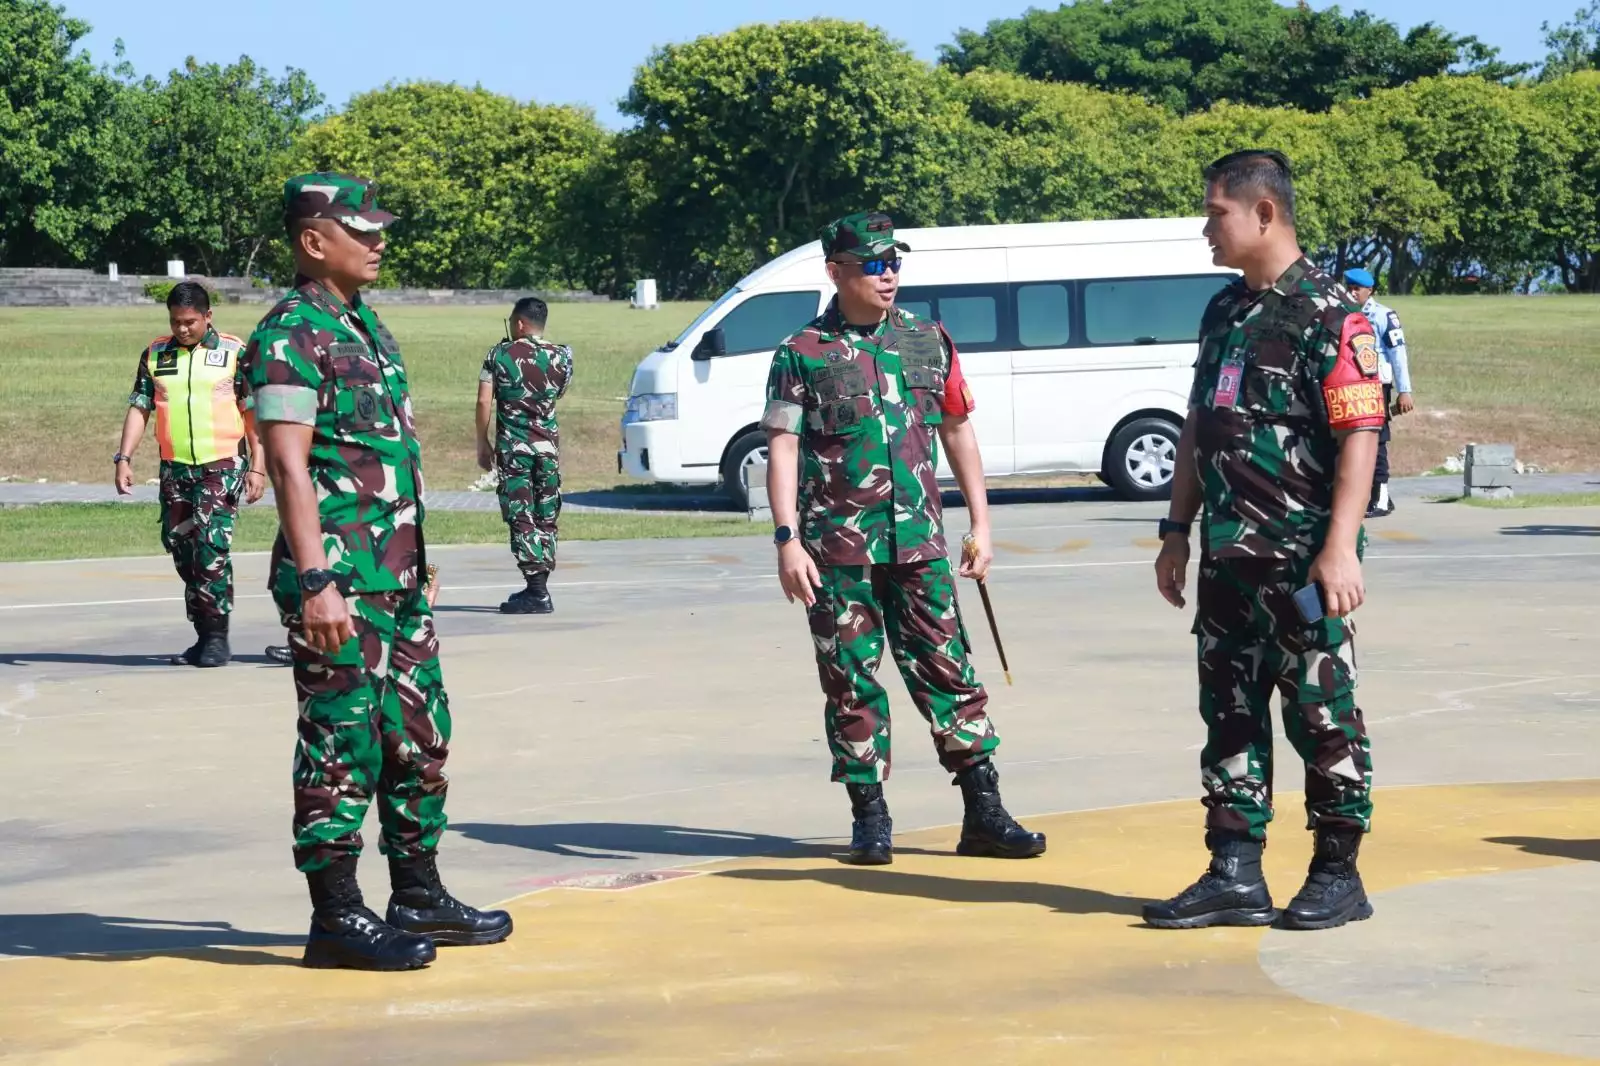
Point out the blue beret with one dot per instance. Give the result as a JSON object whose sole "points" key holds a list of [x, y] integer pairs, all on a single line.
{"points": [[1360, 278]]}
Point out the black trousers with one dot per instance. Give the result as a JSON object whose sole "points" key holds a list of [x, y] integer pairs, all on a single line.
{"points": [[1380, 472]]}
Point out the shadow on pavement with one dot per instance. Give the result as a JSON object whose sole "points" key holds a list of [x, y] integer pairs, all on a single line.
{"points": [[105, 938], [1551, 531], [22, 658], [1582, 850], [1064, 899], [627, 841]]}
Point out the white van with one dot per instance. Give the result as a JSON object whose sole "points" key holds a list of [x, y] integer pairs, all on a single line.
{"points": [[1077, 339]]}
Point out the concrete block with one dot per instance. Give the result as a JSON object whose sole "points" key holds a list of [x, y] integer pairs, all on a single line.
{"points": [[1483, 476], [1490, 455], [759, 507], [1491, 492]]}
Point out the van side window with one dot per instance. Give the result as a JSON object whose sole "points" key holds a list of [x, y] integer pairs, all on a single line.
{"points": [[1148, 310], [976, 316], [763, 322], [1044, 315]]}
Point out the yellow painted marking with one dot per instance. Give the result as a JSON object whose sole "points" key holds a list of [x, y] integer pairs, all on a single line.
{"points": [[1012, 547], [1147, 542], [936, 959], [1400, 536]]}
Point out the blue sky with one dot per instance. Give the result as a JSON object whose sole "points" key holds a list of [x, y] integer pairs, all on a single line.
{"points": [[580, 53]]}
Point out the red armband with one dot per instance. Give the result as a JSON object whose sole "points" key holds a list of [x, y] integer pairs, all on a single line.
{"points": [[957, 396], [1352, 393]]}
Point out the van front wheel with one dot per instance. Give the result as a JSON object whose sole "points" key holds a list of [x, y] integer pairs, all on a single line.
{"points": [[747, 451], [1141, 458]]}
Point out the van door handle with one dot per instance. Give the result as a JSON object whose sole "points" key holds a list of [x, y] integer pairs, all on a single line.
{"points": [[1145, 340]]}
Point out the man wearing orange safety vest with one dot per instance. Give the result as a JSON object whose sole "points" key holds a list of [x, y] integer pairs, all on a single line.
{"points": [[189, 379]]}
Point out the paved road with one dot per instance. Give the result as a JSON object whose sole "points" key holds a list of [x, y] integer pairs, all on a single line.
{"points": [[667, 715], [711, 502]]}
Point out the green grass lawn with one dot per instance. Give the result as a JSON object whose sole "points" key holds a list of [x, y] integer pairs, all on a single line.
{"points": [[1518, 370], [94, 530], [1501, 369], [67, 374], [1533, 499]]}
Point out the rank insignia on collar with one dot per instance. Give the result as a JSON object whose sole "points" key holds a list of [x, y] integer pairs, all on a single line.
{"points": [[1366, 353]]}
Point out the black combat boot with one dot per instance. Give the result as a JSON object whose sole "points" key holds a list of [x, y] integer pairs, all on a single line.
{"points": [[280, 653], [987, 829], [210, 648], [346, 935], [420, 904], [1333, 893], [535, 599], [872, 834], [1231, 892]]}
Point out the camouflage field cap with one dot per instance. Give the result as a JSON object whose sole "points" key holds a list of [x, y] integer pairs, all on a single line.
{"points": [[342, 197], [866, 233]]}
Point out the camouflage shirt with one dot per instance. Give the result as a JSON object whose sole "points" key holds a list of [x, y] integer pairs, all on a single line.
{"points": [[316, 362], [1282, 374], [528, 376], [866, 405]]}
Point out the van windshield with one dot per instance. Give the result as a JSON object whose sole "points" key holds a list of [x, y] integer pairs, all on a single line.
{"points": [[701, 318]]}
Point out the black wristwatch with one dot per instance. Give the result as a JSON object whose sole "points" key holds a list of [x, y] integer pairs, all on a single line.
{"points": [[314, 581], [120, 458], [783, 535], [1167, 525]]}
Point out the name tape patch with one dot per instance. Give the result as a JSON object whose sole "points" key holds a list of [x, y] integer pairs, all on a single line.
{"points": [[1354, 402]]}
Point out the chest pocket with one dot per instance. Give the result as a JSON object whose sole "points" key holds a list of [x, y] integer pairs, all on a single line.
{"points": [[922, 370], [360, 395], [843, 396], [1270, 387]]}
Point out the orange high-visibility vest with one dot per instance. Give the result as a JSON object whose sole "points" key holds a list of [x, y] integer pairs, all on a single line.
{"points": [[197, 411]]}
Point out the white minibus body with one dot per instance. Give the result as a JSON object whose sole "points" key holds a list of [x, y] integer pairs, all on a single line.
{"points": [[1077, 338]]}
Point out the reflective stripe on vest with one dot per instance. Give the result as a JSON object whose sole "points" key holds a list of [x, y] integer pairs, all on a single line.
{"points": [[197, 413]]}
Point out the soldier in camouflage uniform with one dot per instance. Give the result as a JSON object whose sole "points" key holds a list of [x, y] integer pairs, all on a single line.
{"points": [[1279, 449], [189, 380], [854, 401], [521, 380], [332, 398]]}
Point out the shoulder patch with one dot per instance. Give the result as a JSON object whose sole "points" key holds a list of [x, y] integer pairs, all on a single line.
{"points": [[1364, 346]]}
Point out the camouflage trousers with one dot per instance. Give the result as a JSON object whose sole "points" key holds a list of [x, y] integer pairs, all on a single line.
{"points": [[913, 607], [374, 724], [1252, 642], [530, 503], [198, 506]]}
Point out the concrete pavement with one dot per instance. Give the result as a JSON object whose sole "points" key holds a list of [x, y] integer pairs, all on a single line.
{"points": [[644, 774]]}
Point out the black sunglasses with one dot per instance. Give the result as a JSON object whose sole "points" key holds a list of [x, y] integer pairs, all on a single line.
{"points": [[872, 267]]}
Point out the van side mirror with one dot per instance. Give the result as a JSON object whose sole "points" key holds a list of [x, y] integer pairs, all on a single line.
{"points": [[712, 343]]}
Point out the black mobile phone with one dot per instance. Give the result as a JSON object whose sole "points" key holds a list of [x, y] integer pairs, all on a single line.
{"points": [[1308, 601]]}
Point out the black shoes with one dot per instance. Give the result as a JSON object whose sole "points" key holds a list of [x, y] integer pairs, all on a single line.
{"points": [[535, 599], [872, 834], [420, 904], [987, 829], [1333, 893], [346, 935], [210, 649], [280, 653], [1232, 891]]}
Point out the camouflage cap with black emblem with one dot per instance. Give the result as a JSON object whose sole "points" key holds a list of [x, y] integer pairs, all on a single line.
{"points": [[867, 234], [344, 198]]}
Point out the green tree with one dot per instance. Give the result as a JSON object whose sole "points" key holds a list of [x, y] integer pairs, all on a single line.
{"points": [[1191, 54], [1573, 45], [753, 139], [219, 143], [1051, 152], [474, 177], [1572, 231], [60, 154]]}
